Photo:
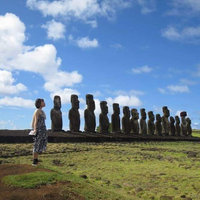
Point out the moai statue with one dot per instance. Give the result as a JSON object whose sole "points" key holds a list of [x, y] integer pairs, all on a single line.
{"points": [[172, 127], [165, 121], [134, 122], [103, 118], [183, 123], [158, 126], [177, 126], [115, 119], [126, 123], [189, 128], [56, 115], [143, 124], [90, 119], [151, 125], [74, 115]]}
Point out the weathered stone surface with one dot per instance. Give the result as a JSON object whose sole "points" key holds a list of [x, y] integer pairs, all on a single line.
{"points": [[74, 115], [183, 123], [126, 124], [158, 126], [90, 119], [165, 121], [143, 124], [134, 122], [151, 125], [172, 127], [177, 126], [115, 119], [103, 118], [189, 128], [56, 115]]}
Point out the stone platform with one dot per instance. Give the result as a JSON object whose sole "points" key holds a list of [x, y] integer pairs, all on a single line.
{"points": [[21, 136]]}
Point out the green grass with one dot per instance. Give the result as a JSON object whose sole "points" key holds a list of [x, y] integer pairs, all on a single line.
{"points": [[119, 170]]}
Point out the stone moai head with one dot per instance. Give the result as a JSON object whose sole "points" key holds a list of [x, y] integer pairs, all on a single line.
{"points": [[172, 120], [143, 114], [57, 102], [90, 102], [116, 108], [158, 117], [166, 111], [104, 107], [188, 120], [183, 114], [177, 119], [126, 111], [151, 116], [74, 101], [134, 113]]}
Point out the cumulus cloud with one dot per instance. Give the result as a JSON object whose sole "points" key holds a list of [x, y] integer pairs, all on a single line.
{"points": [[144, 69], [7, 124], [6, 84], [17, 102], [14, 55], [84, 43], [187, 82], [147, 6], [178, 88], [55, 30]]}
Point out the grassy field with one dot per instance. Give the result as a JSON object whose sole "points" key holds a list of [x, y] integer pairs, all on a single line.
{"points": [[151, 170]]}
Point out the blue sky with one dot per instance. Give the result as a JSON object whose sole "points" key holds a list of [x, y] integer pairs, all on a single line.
{"points": [[138, 53]]}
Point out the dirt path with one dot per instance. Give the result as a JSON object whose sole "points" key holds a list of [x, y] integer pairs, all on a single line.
{"points": [[44, 192]]}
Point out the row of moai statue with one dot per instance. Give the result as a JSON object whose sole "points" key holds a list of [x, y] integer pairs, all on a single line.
{"points": [[162, 126]]}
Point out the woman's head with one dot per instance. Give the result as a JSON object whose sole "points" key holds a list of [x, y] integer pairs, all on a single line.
{"points": [[39, 103]]}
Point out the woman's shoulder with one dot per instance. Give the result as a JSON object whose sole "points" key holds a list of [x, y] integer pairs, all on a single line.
{"points": [[38, 112]]}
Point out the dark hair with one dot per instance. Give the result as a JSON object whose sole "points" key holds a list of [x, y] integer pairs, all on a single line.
{"points": [[38, 102]]}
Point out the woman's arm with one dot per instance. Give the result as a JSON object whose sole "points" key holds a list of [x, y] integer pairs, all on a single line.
{"points": [[35, 120]]}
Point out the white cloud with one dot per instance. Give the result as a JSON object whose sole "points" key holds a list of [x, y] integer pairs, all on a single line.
{"points": [[96, 93], [187, 82], [6, 84], [7, 124], [130, 93], [84, 9], [187, 34], [84, 42], [161, 90], [144, 69], [124, 100], [147, 6], [17, 102], [93, 23], [157, 109], [117, 46], [178, 88], [55, 30]]}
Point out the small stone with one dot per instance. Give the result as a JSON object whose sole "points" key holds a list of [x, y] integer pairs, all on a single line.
{"points": [[183, 196], [137, 190], [71, 165], [161, 174], [83, 176]]}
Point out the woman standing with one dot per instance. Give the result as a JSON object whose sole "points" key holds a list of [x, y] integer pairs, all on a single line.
{"points": [[38, 125]]}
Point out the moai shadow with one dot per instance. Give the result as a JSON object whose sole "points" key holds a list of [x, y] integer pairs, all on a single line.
{"points": [[74, 115], [183, 123], [143, 124], [189, 128], [126, 124], [115, 119], [158, 126], [90, 119], [151, 125], [177, 126], [165, 121], [56, 115], [172, 127], [134, 121], [103, 118]]}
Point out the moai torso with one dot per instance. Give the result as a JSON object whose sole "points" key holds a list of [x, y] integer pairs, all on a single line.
{"points": [[103, 118], [165, 121], [183, 124], [172, 127], [74, 115], [189, 128], [115, 119], [177, 126], [151, 125], [56, 115], [158, 126], [143, 124], [134, 122], [90, 119], [126, 124]]}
